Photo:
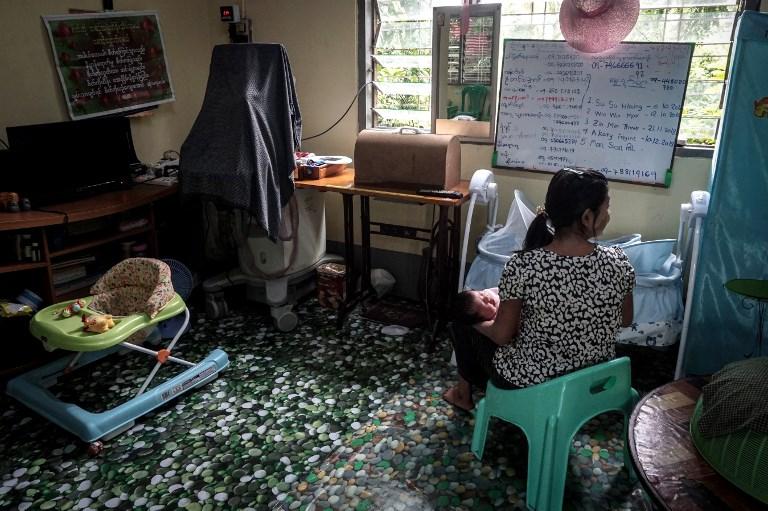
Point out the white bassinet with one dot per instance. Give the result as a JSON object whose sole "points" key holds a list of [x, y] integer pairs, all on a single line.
{"points": [[658, 305], [494, 247]]}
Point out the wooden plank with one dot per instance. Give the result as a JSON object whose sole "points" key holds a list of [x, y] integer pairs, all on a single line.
{"points": [[28, 220], [345, 183], [114, 202], [12, 267], [101, 240], [86, 209], [471, 129]]}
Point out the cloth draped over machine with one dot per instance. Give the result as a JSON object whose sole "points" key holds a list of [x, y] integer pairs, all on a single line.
{"points": [[240, 151], [239, 159]]}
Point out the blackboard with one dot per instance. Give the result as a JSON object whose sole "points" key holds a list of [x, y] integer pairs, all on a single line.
{"points": [[617, 111], [109, 62]]}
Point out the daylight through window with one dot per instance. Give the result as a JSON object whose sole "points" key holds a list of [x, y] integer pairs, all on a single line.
{"points": [[401, 54]]}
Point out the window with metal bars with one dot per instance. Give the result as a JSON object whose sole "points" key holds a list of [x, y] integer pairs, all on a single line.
{"points": [[401, 53], [470, 56]]}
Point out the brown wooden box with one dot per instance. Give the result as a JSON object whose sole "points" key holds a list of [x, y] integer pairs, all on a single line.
{"points": [[311, 172], [407, 159]]}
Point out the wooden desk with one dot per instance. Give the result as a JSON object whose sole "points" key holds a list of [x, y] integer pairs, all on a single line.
{"points": [[447, 247], [670, 468], [98, 206], [86, 209]]}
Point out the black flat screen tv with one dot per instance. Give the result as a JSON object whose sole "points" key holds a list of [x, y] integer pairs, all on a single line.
{"points": [[62, 161]]}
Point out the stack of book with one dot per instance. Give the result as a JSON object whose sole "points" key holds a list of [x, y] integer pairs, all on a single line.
{"points": [[72, 274]]}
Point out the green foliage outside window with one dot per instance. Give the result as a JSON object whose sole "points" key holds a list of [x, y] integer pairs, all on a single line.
{"points": [[406, 31]]}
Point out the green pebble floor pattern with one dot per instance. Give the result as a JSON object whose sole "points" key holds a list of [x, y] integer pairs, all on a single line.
{"points": [[312, 419]]}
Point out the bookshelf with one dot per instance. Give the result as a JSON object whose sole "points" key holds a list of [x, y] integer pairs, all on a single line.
{"points": [[78, 230]]}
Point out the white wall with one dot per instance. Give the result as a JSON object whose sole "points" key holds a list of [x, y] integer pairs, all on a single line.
{"points": [[321, 39], [30, 91]]}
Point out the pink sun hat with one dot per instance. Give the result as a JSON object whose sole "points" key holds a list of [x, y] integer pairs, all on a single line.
{"points": [[593, 26]]}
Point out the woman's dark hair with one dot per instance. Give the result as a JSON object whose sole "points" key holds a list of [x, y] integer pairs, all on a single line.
{"points": [[462, 309], [571, 192]]}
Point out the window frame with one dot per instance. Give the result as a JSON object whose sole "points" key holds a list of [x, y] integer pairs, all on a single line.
{"points": [[493, 10], [367, 26], [365, 41]]}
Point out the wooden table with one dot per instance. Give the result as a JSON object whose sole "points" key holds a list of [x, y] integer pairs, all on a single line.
{"points": [[670, 468], [86, 209], [39, 220], [447, 246]]}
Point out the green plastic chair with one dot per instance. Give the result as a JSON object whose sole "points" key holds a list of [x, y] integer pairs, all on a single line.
{"points": [[550, 414], [473, 101]]}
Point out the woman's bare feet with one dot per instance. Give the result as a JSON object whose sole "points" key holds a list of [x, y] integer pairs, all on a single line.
{"points": [[460, 396]]}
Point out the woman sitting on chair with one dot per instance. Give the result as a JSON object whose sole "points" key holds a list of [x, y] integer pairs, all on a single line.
{"points": [[562, 299]]}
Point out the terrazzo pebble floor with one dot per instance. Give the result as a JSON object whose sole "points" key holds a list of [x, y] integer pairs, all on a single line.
{"points": [[313, 419]]}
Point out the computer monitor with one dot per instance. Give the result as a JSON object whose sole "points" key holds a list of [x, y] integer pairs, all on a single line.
{"points": [[56, 162]]}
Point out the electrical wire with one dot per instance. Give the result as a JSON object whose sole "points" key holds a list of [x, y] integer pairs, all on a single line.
{"points": [[342, 115]]}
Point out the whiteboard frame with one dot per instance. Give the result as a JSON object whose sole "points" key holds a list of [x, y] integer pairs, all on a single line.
{"points": [[668, 177]]}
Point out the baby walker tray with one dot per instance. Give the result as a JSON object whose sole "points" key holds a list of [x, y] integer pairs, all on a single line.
{"points": [[67, 332]]}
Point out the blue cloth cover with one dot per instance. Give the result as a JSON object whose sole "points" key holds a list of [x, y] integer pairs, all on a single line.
{"points": [[734, 241]]}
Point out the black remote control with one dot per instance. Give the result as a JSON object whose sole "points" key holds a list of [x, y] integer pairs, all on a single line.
{"points": [[446, 194]]}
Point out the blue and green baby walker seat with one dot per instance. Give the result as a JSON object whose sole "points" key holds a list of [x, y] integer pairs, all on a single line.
{"points": [[127, 303]]}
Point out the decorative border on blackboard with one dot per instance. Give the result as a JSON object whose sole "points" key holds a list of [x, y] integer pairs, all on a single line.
{"points": [[109, 62]]}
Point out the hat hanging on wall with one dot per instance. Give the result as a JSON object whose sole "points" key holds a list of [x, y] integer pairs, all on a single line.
{"points": [[593, 26]]}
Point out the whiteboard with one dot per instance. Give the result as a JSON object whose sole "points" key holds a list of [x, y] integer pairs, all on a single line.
{"points": [[617, 111]]}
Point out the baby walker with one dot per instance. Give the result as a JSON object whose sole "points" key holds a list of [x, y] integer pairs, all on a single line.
{"points": [[81, 326]]}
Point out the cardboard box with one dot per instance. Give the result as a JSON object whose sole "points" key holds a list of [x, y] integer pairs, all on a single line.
{"points": [[407, 159]]}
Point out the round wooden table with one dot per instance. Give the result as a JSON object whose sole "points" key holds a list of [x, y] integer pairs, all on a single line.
{"points": [[667, 463]]}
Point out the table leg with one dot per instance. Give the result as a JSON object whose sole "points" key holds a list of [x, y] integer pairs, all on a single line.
{"points": [[349, 259], [442, 266], [365, 233], [455, 253]]}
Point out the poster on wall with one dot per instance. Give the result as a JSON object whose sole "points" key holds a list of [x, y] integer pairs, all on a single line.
{"points": [[109, 62]]}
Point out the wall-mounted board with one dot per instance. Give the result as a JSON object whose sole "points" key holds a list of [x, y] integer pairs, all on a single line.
{"points": [[617, 111], [109, 62]]}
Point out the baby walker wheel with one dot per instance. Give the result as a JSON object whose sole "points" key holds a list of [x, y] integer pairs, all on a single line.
{"points": [[95, 448]]}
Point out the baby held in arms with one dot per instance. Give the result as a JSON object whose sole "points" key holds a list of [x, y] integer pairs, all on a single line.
{"points": [[560, 302], [473, 307]]}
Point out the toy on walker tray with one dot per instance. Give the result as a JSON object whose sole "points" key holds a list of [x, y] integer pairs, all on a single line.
{"points": [[134, 295], [98, 323]]}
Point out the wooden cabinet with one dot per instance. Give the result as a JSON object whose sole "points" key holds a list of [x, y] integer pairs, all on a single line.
{"points": [[91, 228]]}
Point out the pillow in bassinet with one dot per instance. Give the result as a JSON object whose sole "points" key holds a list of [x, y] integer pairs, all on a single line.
{"points": [[133, 286]]}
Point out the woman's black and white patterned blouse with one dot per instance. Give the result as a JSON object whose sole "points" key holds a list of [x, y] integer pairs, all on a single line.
{"points": [[571, 311]]}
